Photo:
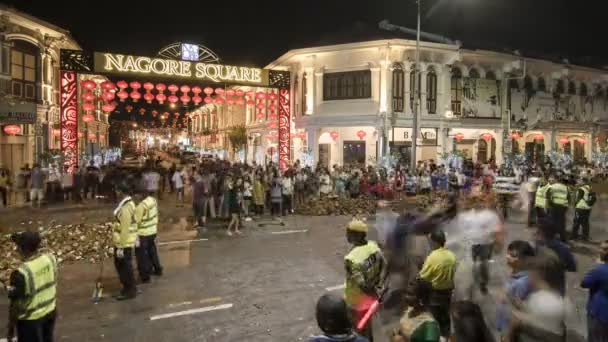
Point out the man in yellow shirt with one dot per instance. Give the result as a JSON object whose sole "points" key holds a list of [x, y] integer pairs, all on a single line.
{"points": [[438, 270]]}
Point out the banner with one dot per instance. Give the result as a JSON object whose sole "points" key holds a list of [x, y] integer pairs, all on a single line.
{"points": [[480, 98], [17, 114]]}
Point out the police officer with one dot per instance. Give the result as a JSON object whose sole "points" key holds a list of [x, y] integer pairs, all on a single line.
{"points": [[582, 210], [540, 201], [32, 292], [558, 199], [146, 215], [124, 236], [365, 272]]}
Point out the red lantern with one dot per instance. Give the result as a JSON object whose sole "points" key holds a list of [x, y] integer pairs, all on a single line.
{"points": [[197, 99], [302, 135], [260, 106], [149, 97], [154, 113], [92, 136], [240, 92], [142, 111], [219, 100], [122, 95], [196, 90], [88, 118], [250, 94], [87, 106], [515, 135], [80, 135], [208, 90], [172, 98], [165, 115], [102, 136], [88, 96], [161, 98], [135, 85], [107, 96], [250, 102], [107, 85], [208, 99], [173, 88], [564, 141], [148, 86], [240, 102], [135, 95], [161, 87], [185, 99], [272, 97], [260, 115], [272, 125], [108, 107], [273, 107], [12, 129], [361, 134], [230, 92], [230, 101], [219, 91], [260, 96], [486, 136], [88, 84], [122, 84], [581, 140], [539, 137], [57, 132], [129, 108], [334, 135], [459, 136], [176, 114], [185, 89]]}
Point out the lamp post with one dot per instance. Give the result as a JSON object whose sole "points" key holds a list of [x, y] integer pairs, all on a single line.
{"points": [[416, 106]]}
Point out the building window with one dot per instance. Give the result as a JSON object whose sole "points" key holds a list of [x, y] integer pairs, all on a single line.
{"points": [[583, 91], [490, 75], [559, 87], [431, 91], [542, 86], [456, 91], [296, 99], [303, 95], [413, 87], [23, 72], [571, 88], [398, 88], [347, 85], [473, 73]]}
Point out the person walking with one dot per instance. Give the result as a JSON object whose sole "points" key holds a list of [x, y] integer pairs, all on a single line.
{"points": [[276, 196], [234, 207], [596, 281], [365, 272], [32, 292], [531, 187], [124, 236], [469, 324], [287, 192], [4, 186], [438, 270], [585, 199], [146, 216], [178, 184], [540, 200], [417, 323], [37, 186], [558, 199], [258, 195]]}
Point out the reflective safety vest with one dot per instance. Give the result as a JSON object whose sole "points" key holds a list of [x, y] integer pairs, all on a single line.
{"points": [[366, 261], [40, 276], [583, 202], [149, 220], [541, 196], [559, 194], [124, 228]]}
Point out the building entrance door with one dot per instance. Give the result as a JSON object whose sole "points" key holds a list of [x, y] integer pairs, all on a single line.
{"points": [[354, 153], [324, 154]]}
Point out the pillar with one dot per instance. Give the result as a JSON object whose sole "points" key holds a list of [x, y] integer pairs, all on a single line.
{"points": [[316, 89], [312, 137], [284, 128], [69, 119]]}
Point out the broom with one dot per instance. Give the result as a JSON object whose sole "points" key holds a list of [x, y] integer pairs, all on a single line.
{"points": [[98, 289]]}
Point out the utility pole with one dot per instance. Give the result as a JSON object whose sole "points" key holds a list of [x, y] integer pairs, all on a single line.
{"points": [[416, 106]]}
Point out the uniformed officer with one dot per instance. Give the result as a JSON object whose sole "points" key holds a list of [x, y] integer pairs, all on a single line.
{"points": [[365, 272], [558, 199], [124, 236], [146, 215], [540, 201], [582, 210], [32, 292]]}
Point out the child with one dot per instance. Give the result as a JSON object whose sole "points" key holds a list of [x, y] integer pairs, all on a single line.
{"points": [[334, 320]]}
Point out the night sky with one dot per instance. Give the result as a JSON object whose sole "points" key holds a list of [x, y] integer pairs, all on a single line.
{"points": [[256, 32]]}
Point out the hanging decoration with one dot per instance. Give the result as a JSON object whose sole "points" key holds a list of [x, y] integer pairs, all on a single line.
{"points": [[173, 88], [196, 90], [334, 135], [302, 135], [107, 96], [69, 119], [107, 86], [486, 136], [57, 132], [459, 136], [12, 129], [172, 99], [515, 135], [208, 99], [108, 107], [539, 137], [361, 134], [92, 136], [142, 111], [564, 141], [161, 97], [219, 100], [88, 85], [88, 118], [87, 106], [185, 99], [129, 108], [219, 91]]}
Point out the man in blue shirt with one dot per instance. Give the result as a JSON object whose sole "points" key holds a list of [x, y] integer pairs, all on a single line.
{"points": [[596, 281]]}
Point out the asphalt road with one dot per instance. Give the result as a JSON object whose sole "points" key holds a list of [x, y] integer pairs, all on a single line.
{"points": [[261, 286]]}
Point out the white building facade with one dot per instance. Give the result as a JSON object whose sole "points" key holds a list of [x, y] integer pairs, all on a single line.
{"points": [[353, 103]]}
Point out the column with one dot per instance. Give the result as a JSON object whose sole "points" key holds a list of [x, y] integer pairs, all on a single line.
{"points": [[312, 136], [383, 108], [408, 88], [423, 107], [376, 84], [315, 88]]}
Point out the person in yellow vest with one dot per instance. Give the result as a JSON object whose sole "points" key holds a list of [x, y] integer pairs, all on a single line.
{"points": [[365, 272], [146, 215], [558, 198], [124, 236], [585, 199], [540, 201], [32, 292]]}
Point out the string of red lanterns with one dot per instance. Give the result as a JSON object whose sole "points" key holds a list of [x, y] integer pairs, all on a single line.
{"points": [[12, 129]]}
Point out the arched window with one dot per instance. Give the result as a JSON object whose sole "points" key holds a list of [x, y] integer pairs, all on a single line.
{"points": [[303, 95], [490, 75], [542, 86], [24, 73], [559, 87], [571, 88], [431, 91], [456, 91], [528, 85], [398, 88], [413, 87], [583, 91], [473, 73]]}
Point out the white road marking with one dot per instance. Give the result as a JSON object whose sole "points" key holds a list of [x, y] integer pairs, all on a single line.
{"points": [[334, 288], [177, 242], [179, 304], [289, 232], [191, 311]]}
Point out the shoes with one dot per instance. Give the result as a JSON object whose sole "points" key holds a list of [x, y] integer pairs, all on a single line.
{"points": [[158, 273], [229, 233], [122, 297], [484, 290]]}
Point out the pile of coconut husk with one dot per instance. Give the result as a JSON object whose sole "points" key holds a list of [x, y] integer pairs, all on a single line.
{"points": [[338, 206], [69, 243]]}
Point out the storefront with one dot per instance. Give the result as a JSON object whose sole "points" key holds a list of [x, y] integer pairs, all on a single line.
{"points": [[478, 145]]}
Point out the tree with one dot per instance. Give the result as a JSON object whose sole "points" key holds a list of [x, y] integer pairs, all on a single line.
{"points": [[238, 137]]}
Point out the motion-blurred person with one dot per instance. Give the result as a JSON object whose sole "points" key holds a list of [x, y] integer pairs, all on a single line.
{"points": [[531, 187], [124, 236], [5, 181], [32, 292], [540, 199], [438, 269], [469, 324], [335, 321], [559, 257], [178, 184], [417, 323], [585, 199], [365, 272], [151, 180], [558, 199], [146, 216], [596, 281], [234, 207], [37, 186]]}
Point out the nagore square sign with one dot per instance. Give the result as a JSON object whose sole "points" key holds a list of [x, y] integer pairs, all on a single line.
{"points": [[138, 65]]}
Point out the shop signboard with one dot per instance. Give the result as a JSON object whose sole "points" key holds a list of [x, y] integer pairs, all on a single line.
{"points": [[17, 114], [110, 63], [427, 135]]}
